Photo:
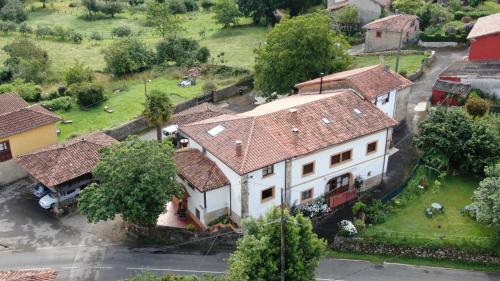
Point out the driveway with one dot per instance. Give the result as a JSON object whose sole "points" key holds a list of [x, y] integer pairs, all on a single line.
{"points": [[25, 226]]}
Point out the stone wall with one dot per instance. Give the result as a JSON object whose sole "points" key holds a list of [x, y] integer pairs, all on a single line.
{"points": [[10, 172], [244, 84], [130, 128], [427, 62], [437, 44], [360, 245]]}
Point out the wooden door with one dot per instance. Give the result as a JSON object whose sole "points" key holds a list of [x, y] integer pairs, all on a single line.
{"points": [[5, 152]]}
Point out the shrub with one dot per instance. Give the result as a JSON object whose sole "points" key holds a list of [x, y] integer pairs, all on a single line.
{"points": [[182, 51], [61, 103], [209, 86], [77, 73], [29, 91], [191, 5], [177, 7], [358, 207], [347, 229], [7, 26], [50, 95], [315, 208], [43, 31], [24, 28], [95, 36], [359, 225], [61, 90], [87, 94], [470, 211], [26, 60], [375, 212], [202, 55], [76, 37], [60, 32], [477, 107], [13, 10], [121, 31], [127, 55], [207, 4]]}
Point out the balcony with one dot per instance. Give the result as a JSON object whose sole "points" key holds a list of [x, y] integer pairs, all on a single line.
{"points": [[339, 199]]}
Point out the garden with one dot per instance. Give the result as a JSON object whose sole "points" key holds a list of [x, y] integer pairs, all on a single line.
{"points": [[408, 64]]}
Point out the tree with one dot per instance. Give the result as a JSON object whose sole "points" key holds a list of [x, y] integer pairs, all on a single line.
{"points": [[161, 18], [87, 94], [298, 7], [432, 14], [121, 31], [158, 110], [146, 182], [13, 10], [111, 7], [258, 9], [408, 6], [127, 55], [466, 144], [26, 60], [258, 255], [487, 197], [92, 7], [477, 107], [296, 50], [347, 15], [226, 12], [78, 73], [182, 51]]}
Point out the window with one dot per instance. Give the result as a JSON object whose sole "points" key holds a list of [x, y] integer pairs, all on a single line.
{"points": [[385, 98], [369, 174], [308, 169], [371, 147], [198, 214], [267, 194], [5, 153], [341, 157], [268, 170], [379, 34], [339, 184], [306, 195]]}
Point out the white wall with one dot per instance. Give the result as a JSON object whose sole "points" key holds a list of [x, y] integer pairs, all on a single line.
{"points": [[491, 86], [257, 183], [387, 108]]}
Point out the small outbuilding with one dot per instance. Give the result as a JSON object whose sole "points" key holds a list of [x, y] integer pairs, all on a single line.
{"points": [[485, 39], [385, 33], [449, 92]]}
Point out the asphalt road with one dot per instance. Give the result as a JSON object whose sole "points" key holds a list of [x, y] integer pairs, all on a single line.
{"points": [[116, 262]]}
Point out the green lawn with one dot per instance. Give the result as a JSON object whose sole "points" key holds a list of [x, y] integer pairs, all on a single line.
{"points": [[409, 225], [408, 63]]}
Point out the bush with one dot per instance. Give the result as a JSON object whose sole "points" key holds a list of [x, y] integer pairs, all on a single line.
{"points": [[7, 26], [207, 4], [26, 60], [13, 10], [477, 107], [202, 55], [128, 55], [43, 31], [76, 37], [182, 51], [359, 225], [177, 7], [209, 86], [347, 229], [29, 91], [121, 31], [50, 95], [375, 212], [61, 90], [87, 94], [95, 36], [191, 5], [315, 208], [61, 103], [78, 73], [358, 207], [24, 28], [60, 32]]}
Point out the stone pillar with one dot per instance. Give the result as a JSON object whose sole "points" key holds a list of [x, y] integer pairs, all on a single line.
{"points": [[288, 182], [244, 196]]}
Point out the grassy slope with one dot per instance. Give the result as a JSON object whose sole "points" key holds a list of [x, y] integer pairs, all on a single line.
{"points": [[448, 228], [410, 63]]}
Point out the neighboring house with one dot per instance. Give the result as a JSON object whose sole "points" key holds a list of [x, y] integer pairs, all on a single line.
{"points": [[66, 166], [197, 113], [368, 10], [385, 33], [24, 127], [308, 146], [483, 75], [449, 92], [485, 39], [386, 89], [29, 275]]}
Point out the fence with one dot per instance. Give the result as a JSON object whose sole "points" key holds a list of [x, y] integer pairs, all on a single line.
{"points": [[403, 185]]}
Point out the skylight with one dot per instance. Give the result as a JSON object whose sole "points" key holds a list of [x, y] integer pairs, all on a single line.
{"points": [[357, 111], [216, 130], [325, 120]]}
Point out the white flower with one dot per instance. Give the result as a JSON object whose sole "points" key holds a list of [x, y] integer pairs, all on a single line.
{"points": [[348, 227]]}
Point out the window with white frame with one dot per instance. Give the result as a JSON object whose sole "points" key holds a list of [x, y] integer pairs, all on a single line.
{"points": [[268, 170]]}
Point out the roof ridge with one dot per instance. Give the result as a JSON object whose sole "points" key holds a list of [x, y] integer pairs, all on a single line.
{"points": [[252, 129]]}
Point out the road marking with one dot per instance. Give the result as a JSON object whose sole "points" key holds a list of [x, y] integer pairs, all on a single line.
{"points": [[175, 270]]}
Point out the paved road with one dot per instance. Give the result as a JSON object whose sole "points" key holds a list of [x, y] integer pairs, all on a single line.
{"points": [[116, 262]]}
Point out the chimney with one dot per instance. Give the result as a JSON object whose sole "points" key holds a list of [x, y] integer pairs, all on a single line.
{"points": [[184, 143], [238, 147]]}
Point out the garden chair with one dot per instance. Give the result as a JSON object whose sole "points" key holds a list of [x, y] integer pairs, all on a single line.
{"points": [[428, 212]]}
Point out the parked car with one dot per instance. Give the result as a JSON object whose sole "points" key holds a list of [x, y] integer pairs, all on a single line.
{"points": [[50, 200], [170, 130], [40, 190]]}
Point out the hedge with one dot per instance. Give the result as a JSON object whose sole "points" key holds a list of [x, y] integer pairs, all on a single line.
{"points": [[62, 103]]}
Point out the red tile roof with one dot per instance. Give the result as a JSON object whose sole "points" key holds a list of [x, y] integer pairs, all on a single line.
{"points": [[17, 116], [485, 26], [198, 170], [338, 5], [370, 81], [59, 163], [197, 113], [29, 275], [394, 23], [266, 133]]}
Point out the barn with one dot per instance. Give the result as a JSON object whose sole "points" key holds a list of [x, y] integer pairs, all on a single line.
{"points": [[485, 39]]}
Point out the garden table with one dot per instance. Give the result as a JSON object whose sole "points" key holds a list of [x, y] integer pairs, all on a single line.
{"points": [[437, 206]]}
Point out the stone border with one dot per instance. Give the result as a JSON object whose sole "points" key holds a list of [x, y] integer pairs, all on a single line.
{"points": [[426, 63], [360, 245], [431, 44], [391, 52]]}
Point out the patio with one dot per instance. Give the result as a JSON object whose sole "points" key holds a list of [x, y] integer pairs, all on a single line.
{"points": [[170, 217]]}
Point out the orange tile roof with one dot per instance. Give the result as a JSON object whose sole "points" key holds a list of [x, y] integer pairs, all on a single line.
{"points": [[59, 163], [370, 81], [485, 26], [17, 116], [29, 275], [198, 170], [267, 136], [394, 23], [197, 113]]}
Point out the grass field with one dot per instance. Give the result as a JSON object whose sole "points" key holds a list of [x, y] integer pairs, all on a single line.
{"points": [[408, 63], [410, 226]]}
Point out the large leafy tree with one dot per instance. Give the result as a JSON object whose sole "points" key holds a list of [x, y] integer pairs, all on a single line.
{"points": [[158, 110], [135, 178], [298, 7], [408, 6], [164, 22], [258, 255], [296, 50], [466, 144], [433, 14], [127, 55], [226, 12], [258, 9], [487, 197], [26, 60]]}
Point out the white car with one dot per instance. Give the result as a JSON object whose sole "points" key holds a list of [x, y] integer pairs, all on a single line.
{"points": [[170, 130], [50, 200]]}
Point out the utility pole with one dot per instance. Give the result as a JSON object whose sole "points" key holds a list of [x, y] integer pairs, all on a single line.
{"points": [[321, 83], [282, 228], [145, 87], [399, 50]]}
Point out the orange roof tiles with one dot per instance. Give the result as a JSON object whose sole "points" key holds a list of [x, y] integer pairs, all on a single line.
{"points": [[29, 275], [266, 136], [59, 163], [394, 23]]}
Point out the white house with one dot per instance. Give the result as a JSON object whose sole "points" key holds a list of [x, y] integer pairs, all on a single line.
{"points": [[386, 89], [368, 10], [301, 146]]}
